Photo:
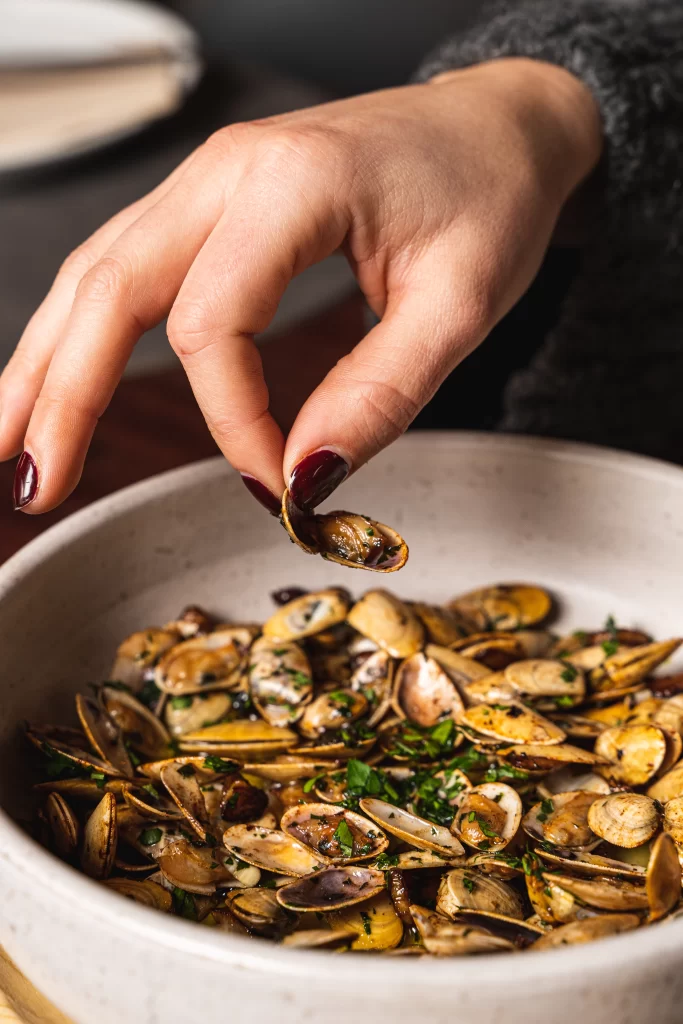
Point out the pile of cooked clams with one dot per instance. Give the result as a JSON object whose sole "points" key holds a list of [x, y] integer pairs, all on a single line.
{"points": [[380, 775]]}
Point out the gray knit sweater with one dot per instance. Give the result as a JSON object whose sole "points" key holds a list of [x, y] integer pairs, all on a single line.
{"points": [[611, 371]]}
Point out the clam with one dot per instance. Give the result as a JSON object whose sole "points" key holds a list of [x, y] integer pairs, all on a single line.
{"points": [[538, 757], [242, 739], [487, 816], [86, 790], [467, 889], [663, 879], [334, 834], [100, 838], [259, 911], [193, 711], [415, 860], [280, 680], [443, 937], [616, 894], [669, 786], [587, 930], [139, 726], [345, 537], [331, 711], [635, 753], [424, 693], [204, 663], [463, 671], [563, 820], [624, 819], [203, 869], [581, 862], [493, 650], [504, 606], [319, 938], [443, 626], [63, 825], [333, 888], [139, 653], [183, 786], [673, 819], [412, 829], [571, 778], [628, 666], [271, 850], [387, 621], [289, 768], [375, 925], [103, 733], [510, 723], [150, 802], [542, 678], [374, 679], [149, 894], [552, 904], [307, 615]]}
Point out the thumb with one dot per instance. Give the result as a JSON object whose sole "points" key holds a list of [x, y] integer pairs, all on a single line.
{"points": [[373, 394]]}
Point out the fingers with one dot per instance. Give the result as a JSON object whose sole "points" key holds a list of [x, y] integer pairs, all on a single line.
{"points": [[374, 393], [266, 236], [128, 290], [23, 377]]}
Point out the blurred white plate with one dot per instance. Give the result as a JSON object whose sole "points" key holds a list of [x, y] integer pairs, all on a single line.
{"points": [[78, 74]]}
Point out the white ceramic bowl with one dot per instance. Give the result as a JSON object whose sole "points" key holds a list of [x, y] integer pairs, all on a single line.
{"points": [[602, 529]]}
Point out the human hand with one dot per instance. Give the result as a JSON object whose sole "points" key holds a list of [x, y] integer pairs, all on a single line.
{"points": [[444, 197]]}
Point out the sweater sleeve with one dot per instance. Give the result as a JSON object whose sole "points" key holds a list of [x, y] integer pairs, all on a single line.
{"points": [[630, 55]]}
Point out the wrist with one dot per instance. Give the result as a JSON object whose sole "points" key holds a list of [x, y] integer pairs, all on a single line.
{"points": [[553, 108]]}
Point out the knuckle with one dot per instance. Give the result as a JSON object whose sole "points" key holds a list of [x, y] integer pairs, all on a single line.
{"points": [[301, 148], [225, 141], [78, 262], [190, 328], [108, 279], [383, 410]]}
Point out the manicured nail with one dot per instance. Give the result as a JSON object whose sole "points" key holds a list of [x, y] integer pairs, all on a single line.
{"points": [[25, 481], [262, 494], [316, 476]]}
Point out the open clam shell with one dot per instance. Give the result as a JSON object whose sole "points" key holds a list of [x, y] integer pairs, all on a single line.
{"points": [[624, 819], [333, 888], [628, 666], [487, 816], [548, 680], [332, 710], [374, 679], [504, 606], [271, 850], [563, 820], [242, 739], [669, 786], [663, 878], [203, 869], [103, 733], [290, 769], [307, 615], [139, 727], [673, 820], [443, 626], [139, 653], [100, 837], [424, 693], [493, 650], [183, 786], [539, 757], [635, 753], [569, 779], [143, 891], [63, 824], [412, 829], [443, 937], [389, 622], [468, 889], [193, 711], [335, 835], [151, 802], [581, 862], [462, 670], [587, 929], [614, 894], [511, 723], [374, 923], [204, 663], [280, 680], [259, 911], [350, 539]]}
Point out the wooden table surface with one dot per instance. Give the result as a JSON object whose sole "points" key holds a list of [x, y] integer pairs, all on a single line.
{"points": [[153, 423]]}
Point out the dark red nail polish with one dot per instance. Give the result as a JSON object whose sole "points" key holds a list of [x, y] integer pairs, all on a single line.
{"points": [[262, 494], [315, 477], [25, 481]]}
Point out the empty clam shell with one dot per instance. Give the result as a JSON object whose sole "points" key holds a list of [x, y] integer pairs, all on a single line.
{"points": [[587, 930], [183, 786], [504, 606], [635, 753], [150, 802], [242, 739], [103, 733], [335, 835], [139, 726], [149, 894], [462, 670], [63, 825], [443, 937], [307, 615], [544, 678], [100, 839], [190, 712], [604, 893], [389, 622], [280, 680], [259, 911], [442, 625], [663, 879], [412, 829], [374, 923], [630, 665], [487, 816], [581, 862], [669, 786], [271, 850], [204, 663], [468, 889], [511, 723], [624, 819], [140, 652], [538, 757], [563, 820], [331, 889], [203, 869], [424, 693], [374, 679]]}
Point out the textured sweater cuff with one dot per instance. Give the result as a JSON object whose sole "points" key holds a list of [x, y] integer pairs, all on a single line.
{"points": [[629, 58]]}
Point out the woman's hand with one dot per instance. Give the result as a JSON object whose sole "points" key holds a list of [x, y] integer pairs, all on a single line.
{"points": [[444, 197]]}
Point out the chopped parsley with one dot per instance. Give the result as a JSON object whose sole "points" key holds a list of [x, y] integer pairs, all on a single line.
{"points": [[187, 771], [569, 674], [367, 923], [386, 861], [344, 837], [213, 763], [610, 647], [547, 808], [178, 703], [468, 883], [150, 836], [184, 905], [565, 701]]}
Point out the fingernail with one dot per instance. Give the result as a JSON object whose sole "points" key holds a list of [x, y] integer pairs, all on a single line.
{"points": [[262, 494], [316, 476], [25, 481]]}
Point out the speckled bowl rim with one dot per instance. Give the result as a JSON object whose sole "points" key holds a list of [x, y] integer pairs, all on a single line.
{"points": [[663, 943]]}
